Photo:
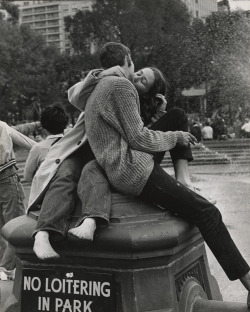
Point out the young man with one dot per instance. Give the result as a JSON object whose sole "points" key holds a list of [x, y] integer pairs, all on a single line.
{"points": [[12, 194], [124, 149], [54, 120]]}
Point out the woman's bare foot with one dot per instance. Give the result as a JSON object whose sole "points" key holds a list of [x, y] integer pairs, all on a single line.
{"points": [[85, 230], [42, 247], [245, 280]]}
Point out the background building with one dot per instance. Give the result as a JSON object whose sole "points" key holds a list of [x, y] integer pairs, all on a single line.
{"points": [[201, 8], [47, 18]]}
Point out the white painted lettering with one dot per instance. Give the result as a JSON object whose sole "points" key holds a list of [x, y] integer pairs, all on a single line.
{"points": [[90, 288], [96, 289], [47, 289], [86, 306], [76, 287], [26, 282], [67, 306], [84, 286], [58, 304], [39, 303], [56, 285], [35, 283], [105, 291], [77, 306], [69, 282]]}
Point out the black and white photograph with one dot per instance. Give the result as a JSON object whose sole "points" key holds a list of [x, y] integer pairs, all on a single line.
{"points": [[125, 155]]}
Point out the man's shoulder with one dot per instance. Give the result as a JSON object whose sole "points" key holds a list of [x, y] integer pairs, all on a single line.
{"points": [[116, 81]]}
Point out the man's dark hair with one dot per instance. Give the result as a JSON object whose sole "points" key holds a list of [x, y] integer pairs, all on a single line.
{"points": [[54, 119], [113, 54]]}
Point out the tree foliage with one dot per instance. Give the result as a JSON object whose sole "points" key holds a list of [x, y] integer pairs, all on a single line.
{"points": [[143, 26], [228, 37], [28, 78]]}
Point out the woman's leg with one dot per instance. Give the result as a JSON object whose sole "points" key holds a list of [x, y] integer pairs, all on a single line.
{"points": [[163, 190], [95, 195], [59, 202], [176, 120]]}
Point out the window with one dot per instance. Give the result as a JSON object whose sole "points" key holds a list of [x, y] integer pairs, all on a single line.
{"points": [[53, 30], [52, 15], [27, 11], [53, 37], [40, 24], [39, 10]]}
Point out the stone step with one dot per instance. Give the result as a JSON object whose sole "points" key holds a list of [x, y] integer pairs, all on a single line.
{"points": [[213, 152]]}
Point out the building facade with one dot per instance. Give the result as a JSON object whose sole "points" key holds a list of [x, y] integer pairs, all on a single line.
{"points": [[47, 18], [201, 8]]}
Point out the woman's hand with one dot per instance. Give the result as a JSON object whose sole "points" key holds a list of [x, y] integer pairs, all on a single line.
{"points": [[188, 139], [162, 102]]}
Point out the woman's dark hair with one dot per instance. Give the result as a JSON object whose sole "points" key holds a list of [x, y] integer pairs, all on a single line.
{"points": [[148, 102], [54, 119], [113, 54]]}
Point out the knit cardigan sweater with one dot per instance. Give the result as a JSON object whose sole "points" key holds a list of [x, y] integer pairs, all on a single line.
{"points": [[122, 145]]}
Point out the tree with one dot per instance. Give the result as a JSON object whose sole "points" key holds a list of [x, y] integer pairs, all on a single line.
{"points": [[228, 37], [141, 25], [28, 78], [11, 9]]}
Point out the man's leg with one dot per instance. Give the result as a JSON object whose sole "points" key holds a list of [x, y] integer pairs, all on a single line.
{"points": [[162, 189], [59, 202], [95, 195]]}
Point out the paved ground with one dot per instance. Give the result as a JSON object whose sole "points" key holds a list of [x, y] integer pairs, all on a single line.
{"points": [[230, 185]]}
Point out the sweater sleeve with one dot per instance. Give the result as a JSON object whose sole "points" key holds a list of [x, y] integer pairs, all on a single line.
{"points": [[122, 112]]}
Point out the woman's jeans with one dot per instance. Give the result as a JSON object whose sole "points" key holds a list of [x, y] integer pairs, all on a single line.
{"points": [[163, 190], [11, 206]]}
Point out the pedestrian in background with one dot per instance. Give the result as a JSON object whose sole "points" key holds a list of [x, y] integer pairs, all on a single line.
{"points": [[246, 128], [207, 131]]}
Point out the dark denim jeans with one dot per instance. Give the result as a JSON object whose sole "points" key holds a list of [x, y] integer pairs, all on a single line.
{"points": [[163, 190], [60, 199]]}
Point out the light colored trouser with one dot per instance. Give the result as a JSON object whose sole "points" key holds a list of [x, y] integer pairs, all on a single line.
{"points": [[11, 206]]}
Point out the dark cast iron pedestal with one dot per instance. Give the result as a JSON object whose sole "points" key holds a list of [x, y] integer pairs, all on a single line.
{"points": [[146, 260]]}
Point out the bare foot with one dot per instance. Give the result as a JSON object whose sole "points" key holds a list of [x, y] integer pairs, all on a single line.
{"points": [[85, 230], [42, 247]]}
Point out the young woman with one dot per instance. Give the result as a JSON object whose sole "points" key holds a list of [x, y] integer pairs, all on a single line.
{"points": [[151, 86]]}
